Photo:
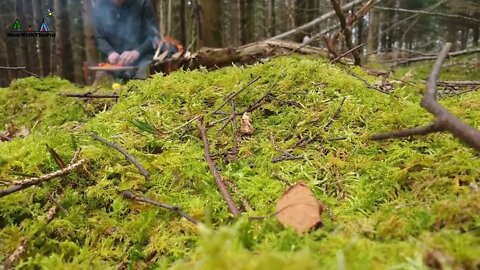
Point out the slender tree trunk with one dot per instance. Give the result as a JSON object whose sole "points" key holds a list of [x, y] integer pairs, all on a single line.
{"points": [[210, 30], [476, 36], [38, 51], [183, 23], [372, 43], [271, 18], [243, 21], [90, 48], [235, 25]]}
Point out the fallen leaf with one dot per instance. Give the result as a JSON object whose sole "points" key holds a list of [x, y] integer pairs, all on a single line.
{"points": [[13, 132], [437, 259], [298, 208], [246, 127]]}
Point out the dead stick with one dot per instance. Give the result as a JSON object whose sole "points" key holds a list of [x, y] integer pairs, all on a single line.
{"points": [[129, 157], [218, 179], [23, 184], [113, 96], [132, 196], [423, 130]]}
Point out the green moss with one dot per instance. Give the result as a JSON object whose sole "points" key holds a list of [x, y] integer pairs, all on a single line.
{"points": [[392, 200]]}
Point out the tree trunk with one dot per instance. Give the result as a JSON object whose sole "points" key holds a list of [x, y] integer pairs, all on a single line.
{"points": [[183, 23], [210, 34], [90, 48], [63, 50], [235, 25], [271, 18], [372, 43]]}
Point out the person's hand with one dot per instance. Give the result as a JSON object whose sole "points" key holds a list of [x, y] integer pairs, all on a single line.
{"points": [[128, 57], [113, 58]]}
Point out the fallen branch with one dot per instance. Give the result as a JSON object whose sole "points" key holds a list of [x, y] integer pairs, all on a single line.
{"points": [[218, 179], [23, 184], [129, 157], [88, 95], [445, 120], [130, 195], [22, 69], [429, 58]]}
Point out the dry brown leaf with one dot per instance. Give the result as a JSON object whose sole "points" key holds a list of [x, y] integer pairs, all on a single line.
{"points": [[299, 208], [12, 132], [246, 127]]}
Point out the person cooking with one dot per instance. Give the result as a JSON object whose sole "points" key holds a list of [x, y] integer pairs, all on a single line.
{"points": [[127, 34]]}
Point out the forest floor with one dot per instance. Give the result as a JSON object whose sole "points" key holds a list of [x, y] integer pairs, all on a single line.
{"points": [[395, 204]]}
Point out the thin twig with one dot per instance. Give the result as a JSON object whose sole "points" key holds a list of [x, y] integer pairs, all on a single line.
{"points": [[234, 126], [23, 184], [130, 195], [346, 53], [285, 157], [335, 115], [233, 95], [129, 157], [218, 179]]}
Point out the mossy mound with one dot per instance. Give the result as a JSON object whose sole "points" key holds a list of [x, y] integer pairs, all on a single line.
{"points": [[391, 202], [40, 104]]}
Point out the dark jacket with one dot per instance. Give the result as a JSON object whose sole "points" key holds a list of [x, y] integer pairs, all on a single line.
{"points": [[130, 26]]}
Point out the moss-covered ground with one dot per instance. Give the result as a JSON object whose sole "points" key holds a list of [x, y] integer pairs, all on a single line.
{"points": [[391, 202]]}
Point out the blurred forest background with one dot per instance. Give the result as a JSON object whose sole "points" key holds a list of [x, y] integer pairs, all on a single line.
{"points": [[392, 25]]}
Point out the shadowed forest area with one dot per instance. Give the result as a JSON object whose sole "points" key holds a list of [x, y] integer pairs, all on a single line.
{"points": [[240, 134]]}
